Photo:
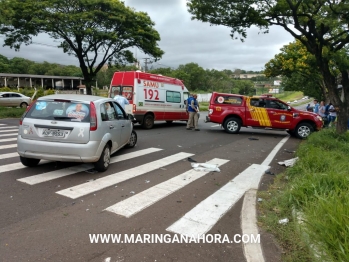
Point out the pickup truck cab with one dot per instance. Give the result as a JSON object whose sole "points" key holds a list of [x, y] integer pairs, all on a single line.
{"points": [[235, 111]]}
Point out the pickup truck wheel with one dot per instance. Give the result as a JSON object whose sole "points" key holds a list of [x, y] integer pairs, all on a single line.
{"points": [[232, 125], [30, 162], [148, 121], [291, 132], [303, 130], [103, 162], [133, 140]]}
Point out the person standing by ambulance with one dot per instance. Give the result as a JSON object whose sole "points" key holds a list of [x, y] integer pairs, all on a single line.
{"points": [[122, 101], [193, 109]]}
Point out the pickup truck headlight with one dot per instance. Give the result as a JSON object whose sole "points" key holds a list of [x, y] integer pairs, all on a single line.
{"points": [[319, 117]]}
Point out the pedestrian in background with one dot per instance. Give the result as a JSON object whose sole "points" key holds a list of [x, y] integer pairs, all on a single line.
{"points": [[316, 106], [122, 101], [193, 109], [333, 114]]}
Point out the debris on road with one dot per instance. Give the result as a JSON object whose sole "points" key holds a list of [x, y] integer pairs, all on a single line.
{"points": [[260, 199], [191, 160], [289, 151], [147, 181], [289, 162], [253, 138], [269, 173], [205, 167]]}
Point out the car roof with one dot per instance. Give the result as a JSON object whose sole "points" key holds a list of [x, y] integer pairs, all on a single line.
{"points": [[74, 97]]}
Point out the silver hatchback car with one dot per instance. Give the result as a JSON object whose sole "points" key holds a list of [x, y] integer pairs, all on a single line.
{"points": [[74, 128]]}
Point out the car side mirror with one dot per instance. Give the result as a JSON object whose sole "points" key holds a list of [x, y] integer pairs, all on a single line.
{"points": [[130, 117], [289, 108]]}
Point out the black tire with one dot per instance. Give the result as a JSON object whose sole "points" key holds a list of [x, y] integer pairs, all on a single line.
{"points": [[303, 130], [148, 121], [103, 162], [169, 122], [133, 140], [232, 125], [30, 162], [24, 105], [291, 132]]}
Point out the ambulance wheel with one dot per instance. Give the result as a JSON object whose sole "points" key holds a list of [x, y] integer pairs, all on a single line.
{"points": [[232, 125], [303, 130], [148, 121]]}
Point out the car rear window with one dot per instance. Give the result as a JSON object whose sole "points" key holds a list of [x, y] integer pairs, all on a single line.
{"points": [[226, 99], [60, 110]]}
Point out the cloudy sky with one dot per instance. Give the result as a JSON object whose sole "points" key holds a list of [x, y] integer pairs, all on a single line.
{"points": [[183, 40]]}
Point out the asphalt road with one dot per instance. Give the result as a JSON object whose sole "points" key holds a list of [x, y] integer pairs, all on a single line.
{"points": [[42, 220]]}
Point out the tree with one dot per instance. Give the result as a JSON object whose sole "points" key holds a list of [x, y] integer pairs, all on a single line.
{"points": [[321, 26], [299, 70], [96, 32]]}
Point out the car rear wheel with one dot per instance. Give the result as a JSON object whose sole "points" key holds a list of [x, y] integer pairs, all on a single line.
{"points": [[30, 162], [24, 105], [232, 125], [103, 162], [133, 140], [148, 121], [303, 130]]}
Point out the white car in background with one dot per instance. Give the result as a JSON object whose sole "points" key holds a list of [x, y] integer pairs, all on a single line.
{"points": [[14, 99]]}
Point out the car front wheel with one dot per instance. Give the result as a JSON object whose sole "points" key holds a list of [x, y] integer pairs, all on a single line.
{"points": [[23, 105], [232, 125], [303, 130], [30, 162], [103, 162]]}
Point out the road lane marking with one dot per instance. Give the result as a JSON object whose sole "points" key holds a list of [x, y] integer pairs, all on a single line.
{"points": [[101, 183], [3, 135], [206, 214], [146, 198], [8, 146], [8, 139], [9, 155], [16, 166], [5, 127], [32, 180], [9, 130], [273, 153]]}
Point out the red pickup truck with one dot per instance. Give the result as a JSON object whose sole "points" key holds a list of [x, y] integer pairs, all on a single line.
{"points": [[234, 111]]}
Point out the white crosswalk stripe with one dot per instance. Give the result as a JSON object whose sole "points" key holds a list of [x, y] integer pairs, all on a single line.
{"points": [[206, 214], [9, 155], [13, 134], [16, 166], [2, 124], [137, 203], [98, 184], [5, 127], [7, 146], [8, 139], [32, 180], [9, 130]]}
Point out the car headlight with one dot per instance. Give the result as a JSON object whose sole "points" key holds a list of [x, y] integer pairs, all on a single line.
{"points": [[319, 117]]}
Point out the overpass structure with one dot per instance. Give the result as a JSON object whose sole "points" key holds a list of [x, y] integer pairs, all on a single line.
{"points": [[44, 81]]}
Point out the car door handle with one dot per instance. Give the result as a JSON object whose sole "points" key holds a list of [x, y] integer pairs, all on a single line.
{"points": [[123, 126], [272, 112], [111, 127]]}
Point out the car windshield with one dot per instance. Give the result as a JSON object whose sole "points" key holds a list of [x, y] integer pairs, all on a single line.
{"points": [[58, 110]]}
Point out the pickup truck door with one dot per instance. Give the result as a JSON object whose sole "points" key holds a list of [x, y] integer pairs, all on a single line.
{"points": [[279, 115], [256, 113]]}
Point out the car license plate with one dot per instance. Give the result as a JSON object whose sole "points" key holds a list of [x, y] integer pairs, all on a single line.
{"points": [[53, 133]]}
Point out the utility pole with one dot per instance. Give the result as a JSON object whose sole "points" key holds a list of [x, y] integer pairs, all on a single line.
{"points": [[146, 63]]}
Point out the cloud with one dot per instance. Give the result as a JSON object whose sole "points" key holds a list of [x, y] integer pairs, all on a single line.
{"points": [[183, 40]]}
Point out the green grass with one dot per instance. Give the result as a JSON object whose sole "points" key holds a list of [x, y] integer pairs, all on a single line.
{"points": [[317, 186], [11, 112], [289, 96]]}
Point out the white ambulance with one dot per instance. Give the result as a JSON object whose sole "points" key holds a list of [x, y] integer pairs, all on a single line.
{"points": [[152, 97]]}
